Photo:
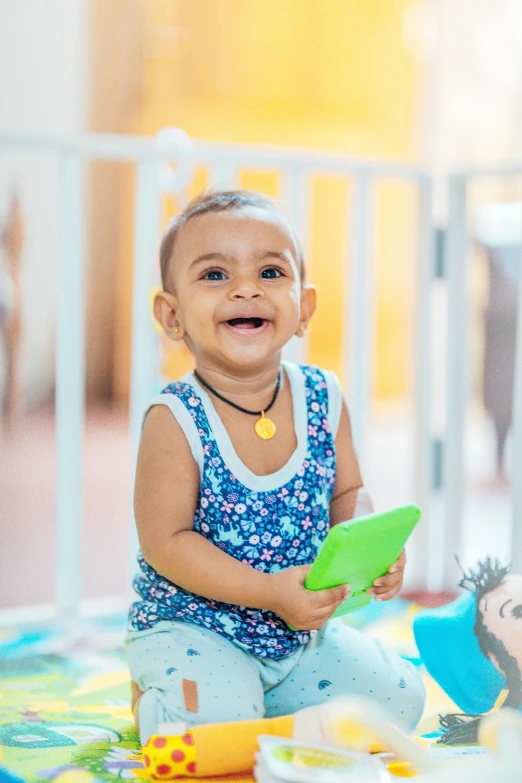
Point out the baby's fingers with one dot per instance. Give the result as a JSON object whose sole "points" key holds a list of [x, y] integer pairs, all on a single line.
{"points": [[325, 611], [333, 596], [387, 594], [386, 583], [338, 595]]}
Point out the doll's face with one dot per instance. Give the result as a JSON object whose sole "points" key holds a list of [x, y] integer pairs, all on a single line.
{"points": [[501, 610]]}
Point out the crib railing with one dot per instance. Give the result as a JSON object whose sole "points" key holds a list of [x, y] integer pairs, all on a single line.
{"points": [[295, 170], [458, 351]]}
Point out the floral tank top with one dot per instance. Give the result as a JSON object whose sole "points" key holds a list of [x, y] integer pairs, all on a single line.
{"points": [[268, 527]]}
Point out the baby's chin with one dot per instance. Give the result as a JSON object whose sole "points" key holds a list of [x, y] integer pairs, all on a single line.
{"points": [[248, 359]]}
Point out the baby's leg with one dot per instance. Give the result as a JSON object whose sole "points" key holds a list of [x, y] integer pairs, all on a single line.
{"points": [[190, 675], [341, 661]]}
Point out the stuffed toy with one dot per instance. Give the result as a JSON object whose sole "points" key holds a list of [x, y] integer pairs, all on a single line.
{"points": [[473, 647]]}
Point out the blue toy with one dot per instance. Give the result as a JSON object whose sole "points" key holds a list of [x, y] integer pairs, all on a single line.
{"points": [[473, 647]]}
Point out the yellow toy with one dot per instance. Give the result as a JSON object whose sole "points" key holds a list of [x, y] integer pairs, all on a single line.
{"points": [[355, 724], [214, 749]]}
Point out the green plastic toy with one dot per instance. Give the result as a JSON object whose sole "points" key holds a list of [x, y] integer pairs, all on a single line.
{"points": [[359, 551]]}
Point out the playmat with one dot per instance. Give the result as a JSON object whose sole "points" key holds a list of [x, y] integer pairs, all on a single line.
{"points": [[65, 698]]}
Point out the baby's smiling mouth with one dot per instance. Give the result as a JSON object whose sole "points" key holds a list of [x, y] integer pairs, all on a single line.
{"points": [[247, 323]]}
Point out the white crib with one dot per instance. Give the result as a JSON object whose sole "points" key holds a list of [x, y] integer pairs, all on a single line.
{"points": [[294, 169]]}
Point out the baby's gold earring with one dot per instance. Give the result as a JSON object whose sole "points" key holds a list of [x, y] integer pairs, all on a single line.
{"points": [[300, 330]]}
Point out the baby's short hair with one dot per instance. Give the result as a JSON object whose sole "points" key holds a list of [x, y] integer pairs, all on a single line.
{"points": [[216, 201]]}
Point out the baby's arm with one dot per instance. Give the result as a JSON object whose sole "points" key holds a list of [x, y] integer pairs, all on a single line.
{"points": [[165, 500], [351, 499]]}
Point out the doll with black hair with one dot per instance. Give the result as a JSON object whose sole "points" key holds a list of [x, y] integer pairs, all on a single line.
{"points": [[473, 647]]}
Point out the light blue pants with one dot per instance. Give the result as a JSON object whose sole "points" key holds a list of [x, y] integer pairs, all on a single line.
{"points": [[195, 676]]}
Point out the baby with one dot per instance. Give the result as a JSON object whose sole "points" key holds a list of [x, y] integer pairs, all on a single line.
{"points": [[243, 467]]}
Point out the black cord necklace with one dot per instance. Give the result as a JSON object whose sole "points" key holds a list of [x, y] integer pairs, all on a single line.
{"points": [[264, 426]]}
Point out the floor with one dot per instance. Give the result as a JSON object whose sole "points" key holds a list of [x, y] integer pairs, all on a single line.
{"points": [[28, 507], [28, 498]]}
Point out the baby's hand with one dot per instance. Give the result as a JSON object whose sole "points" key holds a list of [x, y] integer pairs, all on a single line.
{"points": [[300, 608], [388, 586]]}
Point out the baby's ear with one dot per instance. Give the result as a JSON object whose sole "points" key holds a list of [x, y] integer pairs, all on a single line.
{"points": [[308, 304], [165, 312]]}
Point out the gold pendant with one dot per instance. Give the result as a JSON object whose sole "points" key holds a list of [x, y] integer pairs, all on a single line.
{"points": [[265, 427]]}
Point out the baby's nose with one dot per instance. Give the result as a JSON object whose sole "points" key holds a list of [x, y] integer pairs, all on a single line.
{"points": [[247, 288]]}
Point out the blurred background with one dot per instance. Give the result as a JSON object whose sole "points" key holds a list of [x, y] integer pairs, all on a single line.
{"points": [[431, 84]]}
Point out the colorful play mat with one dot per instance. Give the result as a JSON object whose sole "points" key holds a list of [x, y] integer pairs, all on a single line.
{"points": [[65, 697]]}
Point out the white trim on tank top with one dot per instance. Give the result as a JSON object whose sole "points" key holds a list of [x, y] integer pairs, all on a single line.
{"points": [[251, 480]]}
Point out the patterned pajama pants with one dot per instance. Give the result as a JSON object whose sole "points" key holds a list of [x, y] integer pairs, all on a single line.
{"points": [[194, 676]]}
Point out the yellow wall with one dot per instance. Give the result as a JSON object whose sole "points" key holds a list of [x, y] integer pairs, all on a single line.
{"points": [[333, 74]]}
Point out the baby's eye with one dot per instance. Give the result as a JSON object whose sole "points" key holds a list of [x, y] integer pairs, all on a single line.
{"points": [[516, 612], [214, 274], [270, 273]]}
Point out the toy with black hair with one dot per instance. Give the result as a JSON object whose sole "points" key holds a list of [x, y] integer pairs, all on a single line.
{"points": [[473, 647]]}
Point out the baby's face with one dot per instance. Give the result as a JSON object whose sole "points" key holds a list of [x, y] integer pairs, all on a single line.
{"points": [[502, 614], [236, 281]]}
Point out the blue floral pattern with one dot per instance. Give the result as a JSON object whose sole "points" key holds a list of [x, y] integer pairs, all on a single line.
{"points": [[269, 530]]}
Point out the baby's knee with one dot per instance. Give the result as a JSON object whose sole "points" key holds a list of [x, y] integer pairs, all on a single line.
{"points": [[414, 697]]}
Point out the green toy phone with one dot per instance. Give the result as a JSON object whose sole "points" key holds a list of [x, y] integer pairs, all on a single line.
{"points": [[357, 552]]}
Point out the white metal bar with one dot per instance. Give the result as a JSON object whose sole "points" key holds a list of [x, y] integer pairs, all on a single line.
{"points": [[516, 528], [457, 377], [358, 325], [295, 195], [313, 161], [144, 363], [126, 147], [425, 540], [113, 146], [70, 382]]}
